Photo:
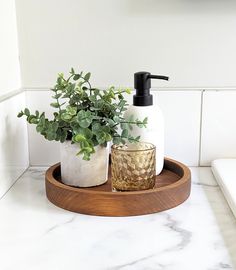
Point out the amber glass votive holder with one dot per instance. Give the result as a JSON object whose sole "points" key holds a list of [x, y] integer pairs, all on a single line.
{"points": [[133, 166]]}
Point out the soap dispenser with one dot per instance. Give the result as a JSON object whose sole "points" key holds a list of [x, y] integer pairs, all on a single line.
{"points": [[143, 107]]}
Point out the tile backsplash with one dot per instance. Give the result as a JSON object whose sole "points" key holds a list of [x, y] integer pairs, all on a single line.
{"points": [[182, 112], [218, 126], [41, 151], [199, 127], [181, 109], [14, 142]]}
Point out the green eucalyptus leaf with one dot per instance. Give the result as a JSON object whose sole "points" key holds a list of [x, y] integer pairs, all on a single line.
{"points": [[76, 77], [128, 91], [59, 80], [96, 92], [116, 140], [85, 118], [93, 98], [131, 118], [88, 149], [96, 127], [27, 112], [33, 120], [66, 117], [111, 122], [94, 109], [145, 121], [84, 143], [87, 76], [75, 127], [42, 119], [139, 124], [123, 141], [62, 135], [37, 113], [122, 103], [39, 128], [20, 114], [86, 156], [50, 136], [108, 137], [120, 96], [132, 139], [105, 129], [116, 119], [71, 110], [55, 115], [85, 122], [55, 105], [56, 96], [79, 138], [124, 126], [101, 137], [66, 95], [86, 132], [55, 126], [125, 133]]}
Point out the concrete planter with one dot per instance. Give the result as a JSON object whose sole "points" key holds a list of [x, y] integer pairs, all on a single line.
{"points": [[82, 173]]}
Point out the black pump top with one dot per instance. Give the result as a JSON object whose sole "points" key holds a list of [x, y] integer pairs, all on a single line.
{"points": [[142, 84]]}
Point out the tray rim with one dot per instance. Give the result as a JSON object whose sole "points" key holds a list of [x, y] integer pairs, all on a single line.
{"points": [[185, 178]]}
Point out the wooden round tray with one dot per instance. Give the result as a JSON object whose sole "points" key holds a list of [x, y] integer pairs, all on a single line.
{"points": [[171, 189]]}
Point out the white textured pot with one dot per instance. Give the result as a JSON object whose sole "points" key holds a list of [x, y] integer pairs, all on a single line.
{"points": [[82, 173]]}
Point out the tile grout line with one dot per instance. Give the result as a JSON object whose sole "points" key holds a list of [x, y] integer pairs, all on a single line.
{"points": [[154, 88], [11, 94], [14, 183], [27, 128], [200, 130]]}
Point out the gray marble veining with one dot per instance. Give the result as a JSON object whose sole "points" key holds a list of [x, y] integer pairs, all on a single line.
{"points": [[34, 234]]}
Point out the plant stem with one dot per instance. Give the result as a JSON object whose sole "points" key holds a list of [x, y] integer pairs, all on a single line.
{"points": [[127, 122], [89, 84], [58, 103]]}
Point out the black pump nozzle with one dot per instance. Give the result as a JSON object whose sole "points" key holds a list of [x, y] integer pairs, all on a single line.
{"points": [[160, 77], [142, 84]]}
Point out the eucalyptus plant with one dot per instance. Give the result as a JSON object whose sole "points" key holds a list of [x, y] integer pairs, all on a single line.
{"points": [[85, 115]]}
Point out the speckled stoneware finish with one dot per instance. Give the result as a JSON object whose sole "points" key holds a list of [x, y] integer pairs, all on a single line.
{"points": [[82, 173]]}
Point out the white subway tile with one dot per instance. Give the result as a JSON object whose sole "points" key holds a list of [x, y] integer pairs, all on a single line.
{"points": [[41, 151], [181, 111], [218, 126], [13, 141]]}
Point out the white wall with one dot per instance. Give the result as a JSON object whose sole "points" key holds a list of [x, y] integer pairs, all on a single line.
{"points": [[191, 41], [9, 55], [13, 132]]}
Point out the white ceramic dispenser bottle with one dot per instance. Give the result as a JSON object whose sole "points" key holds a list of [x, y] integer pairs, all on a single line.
{"points": [[143, 107]]}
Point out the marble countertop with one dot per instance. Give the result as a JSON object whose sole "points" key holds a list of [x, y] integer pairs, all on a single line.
{"points": [[36, 235]]}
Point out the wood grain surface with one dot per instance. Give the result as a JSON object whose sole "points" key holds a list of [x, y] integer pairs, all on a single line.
{"points": [[172, 188]]}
